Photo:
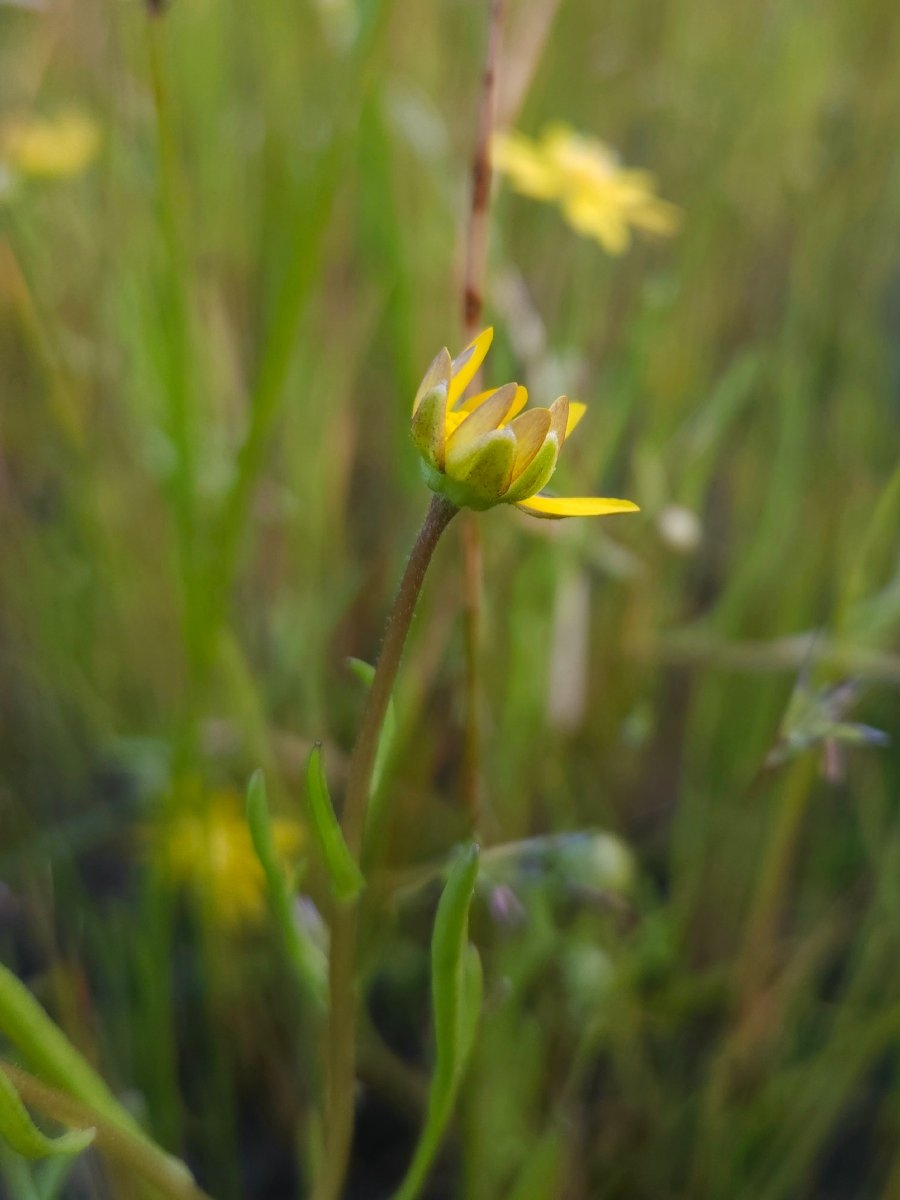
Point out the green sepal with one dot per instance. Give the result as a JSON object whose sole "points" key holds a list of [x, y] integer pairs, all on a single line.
{"points": [[487, 469], [537, 474], [346, 878], [478, 491], [427, 428]]}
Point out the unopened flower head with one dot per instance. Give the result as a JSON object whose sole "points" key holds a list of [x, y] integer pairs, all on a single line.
{"points": [[599, 197], [485, 450]]}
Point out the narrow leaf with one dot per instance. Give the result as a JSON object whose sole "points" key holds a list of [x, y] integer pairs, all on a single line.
{"points": [[470, 1007], [365, 672], [456, 999], [44, 1045], [346, 877], [307, 960], [47, 1049], [141, 1156], [18, 1129]]}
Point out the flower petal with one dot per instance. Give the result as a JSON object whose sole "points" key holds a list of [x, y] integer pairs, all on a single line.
{"points": [[657, 216], [531, 431], [596, 217], [576, 412], [559, 418], [521, 399], [526, 165], [515, 408], [484, 419], [465, 366], [574, 506], [438, 373], [453, 421]]}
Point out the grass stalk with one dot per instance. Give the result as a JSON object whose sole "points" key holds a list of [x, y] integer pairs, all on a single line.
{"points": [[177, 373], [768, 902]]}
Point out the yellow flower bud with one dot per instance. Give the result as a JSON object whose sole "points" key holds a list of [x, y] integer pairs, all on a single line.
{"points": [[486, 451]]}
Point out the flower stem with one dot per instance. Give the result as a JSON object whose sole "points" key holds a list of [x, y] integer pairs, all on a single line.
{"points": [[472, 576], [362, 764], [342, 982]]}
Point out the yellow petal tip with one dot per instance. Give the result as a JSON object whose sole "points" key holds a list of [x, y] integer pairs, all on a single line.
{"points": [[556, 507]]}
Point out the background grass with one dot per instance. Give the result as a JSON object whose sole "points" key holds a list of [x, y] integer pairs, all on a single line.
{"points": [[208, 346]]}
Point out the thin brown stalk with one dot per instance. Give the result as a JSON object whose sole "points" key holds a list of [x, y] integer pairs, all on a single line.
{"points": [[477, 232], [473, 306], [524, 47]]}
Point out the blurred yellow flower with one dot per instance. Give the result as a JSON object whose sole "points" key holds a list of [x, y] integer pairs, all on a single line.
{"points": [[209, 849], [50, 147], [599, 197], [481, 452]]}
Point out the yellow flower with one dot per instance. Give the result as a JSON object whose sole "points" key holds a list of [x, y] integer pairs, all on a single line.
{"points": [[50, 147], [210, 850], [486, 451], [598, 197]]}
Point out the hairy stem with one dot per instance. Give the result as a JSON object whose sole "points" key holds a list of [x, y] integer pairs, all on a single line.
{"points": [[342, 981], [472, 577]]}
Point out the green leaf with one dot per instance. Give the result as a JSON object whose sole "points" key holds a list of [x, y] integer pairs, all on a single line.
{"points": [[346, 878], [306, 959], [456, 988], [365, 672], [18, 1129], [470, 1007], [44, 1045]]}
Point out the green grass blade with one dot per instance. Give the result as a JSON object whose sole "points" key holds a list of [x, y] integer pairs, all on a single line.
{"points": [[306, 960], [456, 983], [365, 673], [346, 878], [21, 1133], [53, 1057], [50, 1053]]}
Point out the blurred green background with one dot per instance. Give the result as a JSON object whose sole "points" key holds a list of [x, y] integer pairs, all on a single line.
{"points": [[209, 341]]}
